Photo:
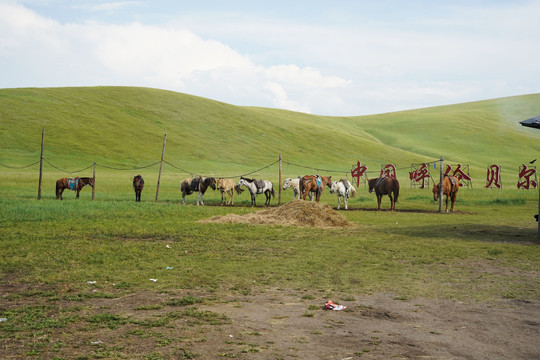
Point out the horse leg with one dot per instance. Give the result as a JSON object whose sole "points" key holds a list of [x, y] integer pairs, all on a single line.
{"points": [[78, 190], [345, 201], [253, 200], [379, 200], [391, 202], [306, 191], [338, 201], [200, 198], [183, 198], [453, 202], [447, 196]]}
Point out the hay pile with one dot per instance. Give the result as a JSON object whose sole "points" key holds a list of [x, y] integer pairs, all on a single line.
{"points": [[295, 213]]}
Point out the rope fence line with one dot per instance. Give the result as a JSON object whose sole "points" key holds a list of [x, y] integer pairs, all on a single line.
{"points": [[288, 163], [130, 168], [19, 167], [68, 172]]}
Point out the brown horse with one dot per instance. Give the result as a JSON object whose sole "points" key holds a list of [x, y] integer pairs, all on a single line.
{"points": [[313, 183], [75, 184], [450, 189], [138, 186], [227, 188], [385, 186], [199, 184]]}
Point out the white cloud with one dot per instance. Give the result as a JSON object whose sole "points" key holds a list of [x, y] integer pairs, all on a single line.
{"points": [[110, 6], [350, 69], [141, 55]]}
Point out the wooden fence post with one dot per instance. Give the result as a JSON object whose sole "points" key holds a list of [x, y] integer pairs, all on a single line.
{"points": [[161, 166], [41, 164], [441, 186], [538, 213], [280, 167], [94, 178]]}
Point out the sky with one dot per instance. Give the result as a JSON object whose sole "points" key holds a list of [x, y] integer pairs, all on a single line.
{"points": [[340, 58]]}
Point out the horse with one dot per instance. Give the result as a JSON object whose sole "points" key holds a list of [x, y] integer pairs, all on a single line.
{"points": [[138, 186], [343, 189], [295, 185], [256, 187], [75, 184], [227, 188], [385, 186], [199, 184], [450, 189], [314, 183]]}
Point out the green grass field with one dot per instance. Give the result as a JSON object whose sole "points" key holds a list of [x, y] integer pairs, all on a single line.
{"points": [[485, 251]]}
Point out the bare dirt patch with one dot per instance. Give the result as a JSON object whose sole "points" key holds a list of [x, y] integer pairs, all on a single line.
{"points": [[270, 324], [295, 213]]}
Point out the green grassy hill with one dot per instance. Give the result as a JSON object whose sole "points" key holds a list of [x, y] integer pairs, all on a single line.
{"points": [[124, 127]]}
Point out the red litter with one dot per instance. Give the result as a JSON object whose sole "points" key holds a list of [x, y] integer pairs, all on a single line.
{"points": [[330, 305]]}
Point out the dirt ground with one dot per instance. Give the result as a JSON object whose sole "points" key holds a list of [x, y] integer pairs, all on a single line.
{"points": [[376, 327], [283, 324]]}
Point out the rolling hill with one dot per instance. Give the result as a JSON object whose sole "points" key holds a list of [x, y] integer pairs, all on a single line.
{"points": [[125, 126]]}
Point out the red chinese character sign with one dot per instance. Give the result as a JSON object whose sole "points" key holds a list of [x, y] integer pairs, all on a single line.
{"points": [[358, 172], [527, 177], [461, 174], [419, 175], [494, 176], [389, 171]]}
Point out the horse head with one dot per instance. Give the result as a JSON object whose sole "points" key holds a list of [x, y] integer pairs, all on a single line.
{"points": [[287, 183], [211, 182], [219, 183], [333, 187], [327, 180], [436, 192], [371, 184]]}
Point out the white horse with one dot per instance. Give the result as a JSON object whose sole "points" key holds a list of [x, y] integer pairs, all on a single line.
{"points": [[256, 187], [342, 191], [295, 185]]}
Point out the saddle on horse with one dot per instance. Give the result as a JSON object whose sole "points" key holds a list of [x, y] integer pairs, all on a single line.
{"points": [[259, 184], [73, 183], [453, 183], [346, 184], [195, 184]]}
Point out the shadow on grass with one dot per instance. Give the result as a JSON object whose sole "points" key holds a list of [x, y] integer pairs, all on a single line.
{"points": [[474, 232]]}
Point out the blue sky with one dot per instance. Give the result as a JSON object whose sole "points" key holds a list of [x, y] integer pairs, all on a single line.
{"points": [[320, 57]]}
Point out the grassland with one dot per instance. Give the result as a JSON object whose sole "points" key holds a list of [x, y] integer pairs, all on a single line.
{"points": [[486, 251]]}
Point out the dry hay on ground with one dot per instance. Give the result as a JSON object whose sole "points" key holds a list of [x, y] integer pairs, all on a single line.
{"points": [[294, 213]]}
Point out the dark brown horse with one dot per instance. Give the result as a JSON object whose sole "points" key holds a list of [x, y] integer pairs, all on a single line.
{"points": [[313, 183], [450, 189], [75, 184], [138, 186], [199, 184], [385, 186]]}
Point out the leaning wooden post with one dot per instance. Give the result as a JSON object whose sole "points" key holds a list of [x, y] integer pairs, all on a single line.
{"points": [[441, 186], [41, 164], [94, 179], [161, 166], [280, 167]]}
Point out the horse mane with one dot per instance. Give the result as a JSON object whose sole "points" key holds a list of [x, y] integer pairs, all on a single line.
{"points": [[248, 179]]}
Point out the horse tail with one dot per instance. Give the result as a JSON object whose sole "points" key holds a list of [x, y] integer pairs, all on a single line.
{"points": [[273, 193], [353, 191], [57, 188], [300, 187], [396, 191]]}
